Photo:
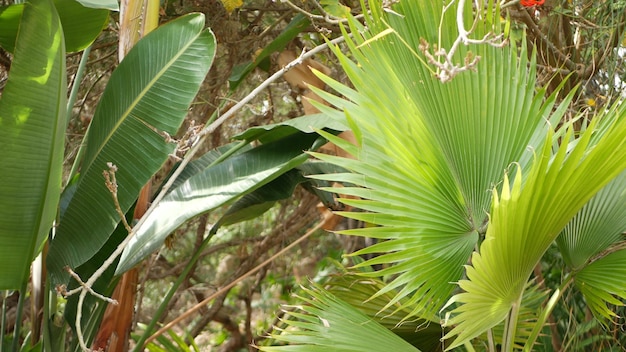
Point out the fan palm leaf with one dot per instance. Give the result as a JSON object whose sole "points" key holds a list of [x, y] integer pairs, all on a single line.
{"points": [[599, 224], [602, 283], [327, 323], [526, 219], [429, 152]]}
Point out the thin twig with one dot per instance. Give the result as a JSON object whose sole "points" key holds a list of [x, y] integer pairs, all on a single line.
{"points": [[198, 306], [86, 287], [326, 17], [111, 183]]}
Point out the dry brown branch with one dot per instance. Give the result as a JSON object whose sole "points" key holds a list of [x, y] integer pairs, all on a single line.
{"points": [[226, 288]]}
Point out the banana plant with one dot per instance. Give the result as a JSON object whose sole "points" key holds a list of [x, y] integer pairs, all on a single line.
{"points": [[145, 102], [467, 182]]}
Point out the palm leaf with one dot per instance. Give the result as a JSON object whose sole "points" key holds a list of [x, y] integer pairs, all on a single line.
{"points": [[146, 98], [327, 323], [425, 334], [429, 153], [525, 220], [32, 127], [602, 282], [599, 224]]}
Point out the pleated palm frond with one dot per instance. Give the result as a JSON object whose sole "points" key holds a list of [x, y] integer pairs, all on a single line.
{"points": [[429, 153], [526, 218], [592, 245], [602, 283], [598, 225], [325, 323], [357, 291]]}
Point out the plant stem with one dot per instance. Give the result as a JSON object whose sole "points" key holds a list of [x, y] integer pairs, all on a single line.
{"points": [[171, 292], [492, 345], [511, 326], [197, 307], [78, 77], [541, 320], [18, 316], [70, 105], [4, 319]]}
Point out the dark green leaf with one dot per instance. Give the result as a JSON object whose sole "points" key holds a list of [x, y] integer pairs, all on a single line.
{"points": [[146, 98], [101, 4], [215, 186], [197, 166], [258, 202]]}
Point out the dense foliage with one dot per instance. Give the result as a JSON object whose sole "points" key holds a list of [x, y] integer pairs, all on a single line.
{"points": [[474, 186]]}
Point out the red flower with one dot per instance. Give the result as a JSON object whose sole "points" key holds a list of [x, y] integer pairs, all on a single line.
{"points": [[531, 3]]}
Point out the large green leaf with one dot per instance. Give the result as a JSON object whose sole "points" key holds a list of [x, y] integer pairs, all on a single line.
{"points": [[527, 217], [328, 324], [429, 152], [600, 223], [262, 199], [425, 334], [81, 25], [215, 186], [32, 127], [145, 100], [602, 283]]}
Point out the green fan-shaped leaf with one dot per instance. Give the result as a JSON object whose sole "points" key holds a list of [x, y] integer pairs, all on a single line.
{"points": [[32, 127], [527, 217], [81, 25], [429, 152], [602, 282], [328, 324], [425, 334], [213, 187], [600, 223], [145, 100]]}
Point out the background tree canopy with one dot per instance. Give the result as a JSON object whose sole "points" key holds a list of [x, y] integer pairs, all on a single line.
{"points": [[228, 175]]}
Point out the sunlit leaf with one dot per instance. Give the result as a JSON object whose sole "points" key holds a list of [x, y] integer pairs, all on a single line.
{"points": [[526, 218], [32, 129], [335, 8], [81, 25], [231, 5], [429, 154]]}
